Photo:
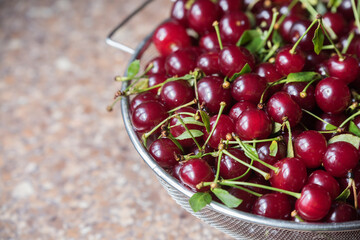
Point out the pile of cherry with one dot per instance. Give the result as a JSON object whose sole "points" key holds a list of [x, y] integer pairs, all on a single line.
{"points": [[255, 104]]}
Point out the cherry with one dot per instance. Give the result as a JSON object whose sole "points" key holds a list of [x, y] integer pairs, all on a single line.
{"points": [[147, 115], [164, 151], [179, 12], [248, 199], [248, 87], [339, 68], [273, 205], [232, 59], [314, 203], [286, 25], [296, 10], [194, 172], [313, 59], [287, 62], [294, 90], [208, 158], [341, 212], [180, 62], [263, 18], [224, 126], [176, 128], [253, 124], [176, 93], [345, 9], [227, 6], [270, 74], [334, 119], [292, 174], [324, 179], [169, 37], [209, 63], [209, 42], [141, 98], [353, 48], [232, 25], [239, 108], [211, 94], [263, 151], [336, 22], [175, 172], [202, 14], [256, 178], [332, 95], [230, 168], [280, 106], [344, 182], [339, 158], [310, 146], [298, 29], [156, 79], [158, 65]]}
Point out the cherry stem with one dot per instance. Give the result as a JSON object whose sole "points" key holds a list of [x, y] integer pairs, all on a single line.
{"points": [[271, 28], [303, 93], [293, 194], [172, 138], [327, 131], [290, 148], [216, 26], [185, 105], [293, 49], [258, 141], [222, 106], [330, 40], [271, 52], [356, 14], [348, 42], [313, 115], [244, 174], [243, 189], [218, 167], [187, 129], [196, 74], [282, 18], [111, 107], [354, 193], [264, 174], [349, 119]]}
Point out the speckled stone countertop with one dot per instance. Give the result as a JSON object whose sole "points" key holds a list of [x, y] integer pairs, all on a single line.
{"points": [[67, 168]]}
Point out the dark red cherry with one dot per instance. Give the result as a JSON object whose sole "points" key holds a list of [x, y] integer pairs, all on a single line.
{"points": [[147, 115], [202, 14], [232, 25], [294, 90], [298, 29], [344, 182], [339, 158], [314, 203], [209, 63], [341, 212], [211, 93], [345, 9], [273, 205], [248, 199], [268, 71], [324, 179], [239, 108], [176, 128], [336, 22], [310, 147], [176, 171], [334, 119], [141, 98], [224, 126], [259, 180], [180, 62], [230, 168], [164, 151], [263, 150], [281, 107], [169, 37], [155, 79], [158, 65], [176, 93], [296, 10], [232, 59], [253, 124], [286, 25], [292, 174], [208, 158], [313, 59], [179, 12], [332, 95], [227, 6], [209, 42], [194, 172], [263, 18], [340, 68], [248, 87], [287, 62]]}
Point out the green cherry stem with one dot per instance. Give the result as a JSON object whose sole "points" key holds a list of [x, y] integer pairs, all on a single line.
{"points": [[293, 49], [318, 118], [348, 42], [243, 189], [290, 147], [349, 119], [258, 141], [282, 18], [303, 93], [217, 30], [330, 40], [356, 14], [271, 28], [185, 105], [222, 106], [187, 130], [218, 167]]}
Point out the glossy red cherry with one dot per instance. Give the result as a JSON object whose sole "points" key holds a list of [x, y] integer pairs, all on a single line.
{"points": [[248, 199], [334, 119], [259, 180], [336, 22], [341, 212], [268, 71], [332, 95], [314, 203], [209, 42], [202, 14], [141, 98], [339, 158], [345, 9], [164, 151], [298, 29], [296, 10], [147, 115], [227, 6], [158, 65], [294, 90], [313, 60], [230, 168], [169, 37], [211, 93], [253, 124], [155, 79], [286, 25], [273, 205], [224, 126], [209, 63], [263, 18], [292, 174], [194, 172], [239, 108], [208, 158], [179, 12], [280, 106], [263, 151], [324, 179], [248, 87], [340, 68], [287, 62], [310, 147], [180, 62], [232, 25], [232, 59], [176, 93]]}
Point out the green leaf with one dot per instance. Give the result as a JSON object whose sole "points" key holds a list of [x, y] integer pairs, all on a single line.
{"points": [[141, 85], [354, 129], [245, 69], [354, 140], [277, 127], [247, 36], [206, 120], [344, 195], [254, 45], [276, 38], [330, 127], [172, 138], [228, 199], [133, 69], [302, 77], [250, 151], [273, 148], [199, 200], [318, 39], [186, 135], [189, 120]]}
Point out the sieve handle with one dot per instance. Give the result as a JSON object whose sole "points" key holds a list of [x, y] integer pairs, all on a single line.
{"points": [[110, 41]]}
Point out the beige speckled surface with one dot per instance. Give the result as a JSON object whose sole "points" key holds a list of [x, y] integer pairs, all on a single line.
{"points": [[67, 170]]}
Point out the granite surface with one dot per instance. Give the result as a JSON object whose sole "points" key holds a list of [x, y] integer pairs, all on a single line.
{"points": [[67, 169]]}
